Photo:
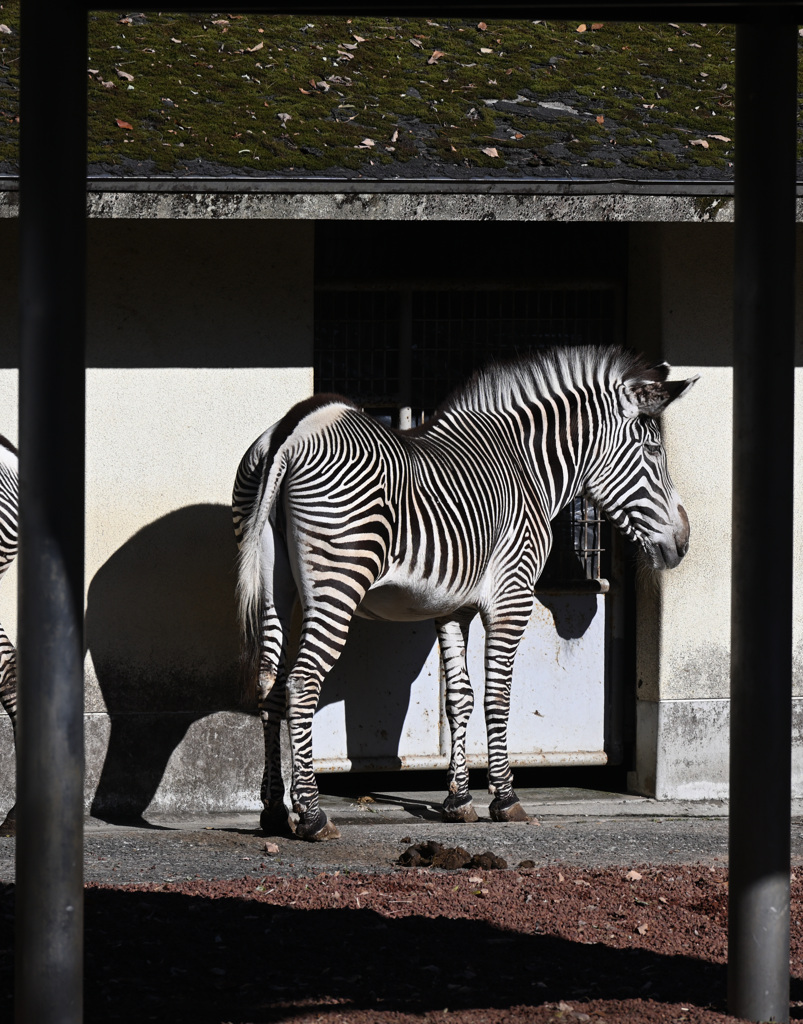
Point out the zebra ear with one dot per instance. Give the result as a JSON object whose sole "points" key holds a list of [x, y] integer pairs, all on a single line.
{"points": [[661, 370], [650, 398]]}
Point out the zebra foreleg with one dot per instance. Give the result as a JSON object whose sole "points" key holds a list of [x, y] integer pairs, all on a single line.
{"points": [[8, 698], [453, 637], [502, 640]]}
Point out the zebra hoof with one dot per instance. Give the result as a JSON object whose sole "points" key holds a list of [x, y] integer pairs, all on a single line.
{"points": [[459, 812], [275, 821], [319, 830], [508, 811]]}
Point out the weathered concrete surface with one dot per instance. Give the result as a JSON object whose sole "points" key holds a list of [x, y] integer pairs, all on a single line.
{"points": [[408, 206]]}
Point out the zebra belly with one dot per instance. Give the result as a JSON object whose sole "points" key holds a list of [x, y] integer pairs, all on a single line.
{"points": [[393, 601]]}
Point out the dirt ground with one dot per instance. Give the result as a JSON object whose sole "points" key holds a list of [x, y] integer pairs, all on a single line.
{"points": [[481, 946], [612, 908]]}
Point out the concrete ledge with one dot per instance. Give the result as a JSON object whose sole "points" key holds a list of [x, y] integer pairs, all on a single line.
{"points": [[199, 201], [682, 749]]}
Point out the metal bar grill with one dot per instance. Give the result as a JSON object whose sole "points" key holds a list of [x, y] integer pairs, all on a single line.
{"points": [[400, 352]]}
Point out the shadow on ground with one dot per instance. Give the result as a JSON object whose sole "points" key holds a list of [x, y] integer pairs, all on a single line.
{"points": [[174, 957]]}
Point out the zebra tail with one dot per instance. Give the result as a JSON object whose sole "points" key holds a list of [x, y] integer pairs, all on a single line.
{"points": [[250, 575]]}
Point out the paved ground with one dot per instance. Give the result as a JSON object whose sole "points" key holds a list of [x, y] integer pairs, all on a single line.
{"points": [[570, 826]]}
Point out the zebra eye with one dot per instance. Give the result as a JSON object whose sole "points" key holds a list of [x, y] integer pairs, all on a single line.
{"points": [[652, 449]]}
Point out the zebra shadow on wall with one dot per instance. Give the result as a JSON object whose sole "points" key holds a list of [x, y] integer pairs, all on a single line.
{"points": [[163, 640]]}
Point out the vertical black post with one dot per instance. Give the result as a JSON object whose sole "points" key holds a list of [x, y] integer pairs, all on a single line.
{"points": [[49, 916], [761, 623]]}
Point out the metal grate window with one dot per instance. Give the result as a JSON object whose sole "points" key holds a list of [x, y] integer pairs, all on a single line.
{"points": [[399, 353]]}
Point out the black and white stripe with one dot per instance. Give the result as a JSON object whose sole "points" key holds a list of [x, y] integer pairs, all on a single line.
{"points": [[8, 549], [445, 521]]}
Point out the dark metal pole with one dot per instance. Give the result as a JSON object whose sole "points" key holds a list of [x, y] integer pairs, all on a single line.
{"points": [[49, 916], [761, 623]]}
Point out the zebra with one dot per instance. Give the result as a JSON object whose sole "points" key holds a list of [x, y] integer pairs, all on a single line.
{"points": [[8, 549], [443, 521]]}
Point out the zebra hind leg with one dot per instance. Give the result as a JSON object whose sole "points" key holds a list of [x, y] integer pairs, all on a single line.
{"points": [[303, 690], [8, 698], [274, 819], [453, 637], [323, 637], [503, 636], [276, 636]]}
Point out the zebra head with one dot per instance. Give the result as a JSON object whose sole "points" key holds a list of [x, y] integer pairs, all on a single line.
{"points": [[631, 482]]}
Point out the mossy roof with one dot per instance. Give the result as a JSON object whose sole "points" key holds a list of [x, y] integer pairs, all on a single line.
{"points": [[380, 97]]}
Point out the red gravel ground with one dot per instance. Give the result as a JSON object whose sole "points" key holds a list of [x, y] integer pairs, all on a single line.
{"points": [[474, 946]]}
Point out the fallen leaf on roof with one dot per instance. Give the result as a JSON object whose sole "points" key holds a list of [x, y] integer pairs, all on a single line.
{"points": [[484, 49], [436, 56], [284, 118], [600, 119], [123, 124], [482, 27], [367, 143], [633, 876], [5, 30], [416, 42], [253, 49], [582, 28], [490, 151], [642, 929], [700, 142], [359, 39], [597, 26], [126, 77], [720, 138]]}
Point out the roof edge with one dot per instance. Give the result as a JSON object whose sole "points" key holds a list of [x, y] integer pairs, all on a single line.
{"points": [[401, 186]]}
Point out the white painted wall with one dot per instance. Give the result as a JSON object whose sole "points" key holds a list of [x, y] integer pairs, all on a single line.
{"points": [[681, 291], [199, 337], [180, 313]]}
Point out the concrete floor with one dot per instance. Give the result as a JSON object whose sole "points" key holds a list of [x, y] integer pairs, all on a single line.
{"points": [[579, 827]]}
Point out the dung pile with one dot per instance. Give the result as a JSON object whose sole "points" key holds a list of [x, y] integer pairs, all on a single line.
{"points": [[435, 855]]}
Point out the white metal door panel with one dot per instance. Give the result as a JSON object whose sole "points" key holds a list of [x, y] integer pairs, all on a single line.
{"points": [[558, 695], [382, 705]]}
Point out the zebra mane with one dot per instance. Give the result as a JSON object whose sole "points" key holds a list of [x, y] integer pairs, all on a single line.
{"points": [[546, 371]]}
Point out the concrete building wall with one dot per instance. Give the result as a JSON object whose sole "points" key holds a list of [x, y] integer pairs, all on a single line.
{"points": [[681, 287], [199, 337]]}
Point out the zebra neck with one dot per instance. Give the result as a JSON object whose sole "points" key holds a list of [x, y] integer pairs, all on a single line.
{"points": [[538, 440]]}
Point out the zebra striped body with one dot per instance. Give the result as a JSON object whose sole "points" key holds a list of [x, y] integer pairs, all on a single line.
{"points": [[445, 521], [8, 551]]}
